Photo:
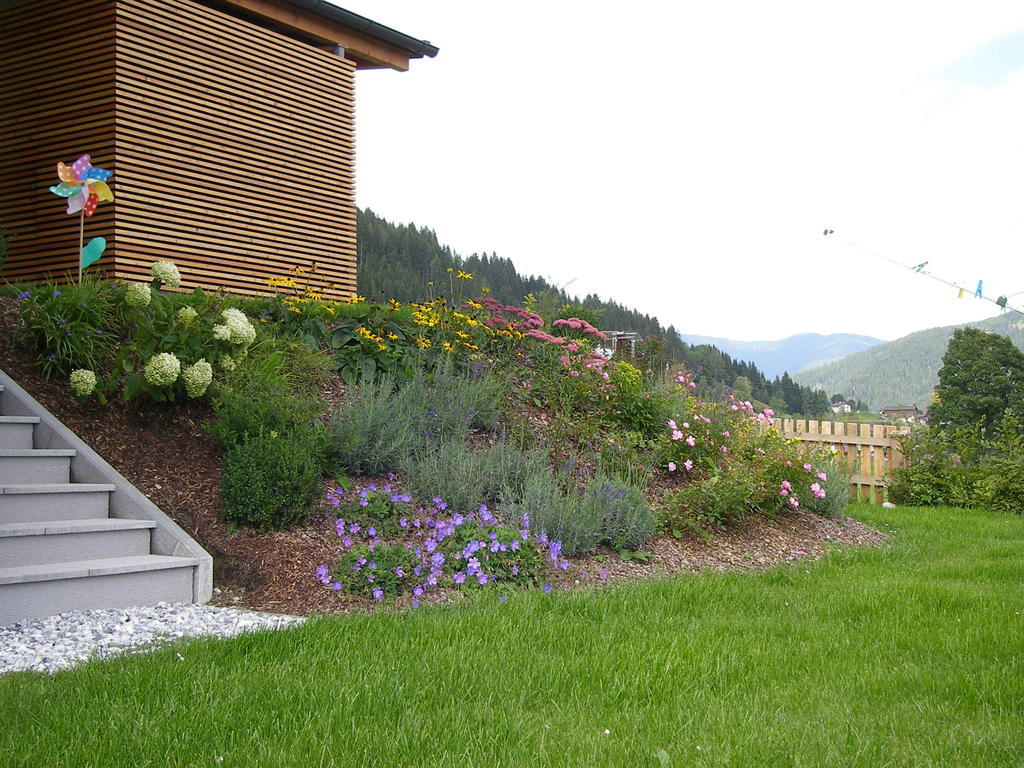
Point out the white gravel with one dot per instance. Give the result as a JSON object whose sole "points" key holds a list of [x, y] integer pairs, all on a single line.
{"points": [[59, 642]]}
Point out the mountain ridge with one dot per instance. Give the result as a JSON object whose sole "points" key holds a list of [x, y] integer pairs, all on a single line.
{"points": [[904, 371], [793, 353]]}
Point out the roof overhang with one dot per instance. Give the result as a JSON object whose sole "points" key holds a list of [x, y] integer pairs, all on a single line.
{"points": [[369, 44]]}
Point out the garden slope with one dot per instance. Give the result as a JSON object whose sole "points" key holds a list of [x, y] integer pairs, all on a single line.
{"points": [[170, 457]]}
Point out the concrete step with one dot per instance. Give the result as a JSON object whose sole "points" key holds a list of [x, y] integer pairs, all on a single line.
{"points": [[38, 591], [56, 541], [35, 465], [33, 503], [16, 431]]}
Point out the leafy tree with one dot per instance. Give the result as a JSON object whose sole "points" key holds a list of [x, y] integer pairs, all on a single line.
{"points": [[742, 388], [982, 376]]}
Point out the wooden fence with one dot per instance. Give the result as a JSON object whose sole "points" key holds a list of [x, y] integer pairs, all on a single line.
{"points": [[870, 450]]}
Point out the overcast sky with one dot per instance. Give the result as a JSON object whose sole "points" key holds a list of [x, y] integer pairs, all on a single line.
{"points": [[684, 158]]}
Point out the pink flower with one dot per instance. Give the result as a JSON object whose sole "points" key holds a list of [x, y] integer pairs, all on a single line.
{"points": [[789, 463], [690, 441], [822, 476], [672, 424], [787, 485], [688, 464], [794, 503], [783, 492], [726, 433], [808, 468], [671, 466], [686, 425], [725, 449], [677, 435]]}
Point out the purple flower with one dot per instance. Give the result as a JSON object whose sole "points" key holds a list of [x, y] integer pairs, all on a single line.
{"points": [[336, 586], [371, 532], [372, 487], [339, 527], [564, 565], [492, 535], [415, 603], [347, 541], [547, 589], [403, 522], [399, 572], [459, 577], [515, 570], [430, 545], [458, 519], [364, 503], [494, 546], [24, 294], [603, 575], [439, 503], [514, 545], [481, 578], [418, 591], [56, 293], [354, 528], [321, 574], [378, 593], [373, 564]]}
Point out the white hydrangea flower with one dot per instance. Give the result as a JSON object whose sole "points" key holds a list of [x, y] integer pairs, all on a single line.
{"points": [[83, 382], [138, 295], [228, 363], [236, 328], [162, 370], [166, 272], [187, 317], [197, 378]]}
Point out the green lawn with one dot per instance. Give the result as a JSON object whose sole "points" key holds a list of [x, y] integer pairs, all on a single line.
{"points": [[908, 656]]}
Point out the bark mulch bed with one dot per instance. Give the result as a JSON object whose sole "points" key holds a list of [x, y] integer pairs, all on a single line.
{"points": [[170, 457]]}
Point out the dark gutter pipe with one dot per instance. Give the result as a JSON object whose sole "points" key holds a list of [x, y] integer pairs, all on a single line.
{"points": [[368, 27]]}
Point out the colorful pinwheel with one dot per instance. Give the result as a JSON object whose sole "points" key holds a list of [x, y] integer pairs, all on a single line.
{"points": [[84, 187]]}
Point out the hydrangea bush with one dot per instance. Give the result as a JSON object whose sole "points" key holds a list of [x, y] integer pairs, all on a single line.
{"points": [[134, 339]]}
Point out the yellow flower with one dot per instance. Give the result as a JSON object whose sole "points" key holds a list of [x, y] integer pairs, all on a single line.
{"points": [[467, 345], [462, 335], [421, 342], [464, 275], [297, 270], [450, 270], [474, 305], [392, 336], [382, 347], [485, 290], [447, 346]]}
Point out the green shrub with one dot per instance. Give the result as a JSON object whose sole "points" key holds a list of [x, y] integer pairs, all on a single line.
{"points": [[260, 397], [371, 434], [388, 420], [836, 487], [72, 326], [271, 481], [635, 405], [604, 510], [450, 471], [726, 496], [1001, 485]]}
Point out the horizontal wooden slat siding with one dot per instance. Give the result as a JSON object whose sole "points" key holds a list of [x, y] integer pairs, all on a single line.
{"points": [[235, 149], [56, 103]]}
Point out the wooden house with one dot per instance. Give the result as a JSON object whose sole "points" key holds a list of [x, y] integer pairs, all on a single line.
{"points": [[902, 414], [228, 125]]}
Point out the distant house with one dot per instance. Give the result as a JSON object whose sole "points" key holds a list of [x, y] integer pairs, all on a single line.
{"points": [[841, 408], [902, 414], [620, 344], [229, 126]]}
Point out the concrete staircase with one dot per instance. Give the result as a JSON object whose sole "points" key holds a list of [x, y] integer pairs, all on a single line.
{"points": [[74, 533]]}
